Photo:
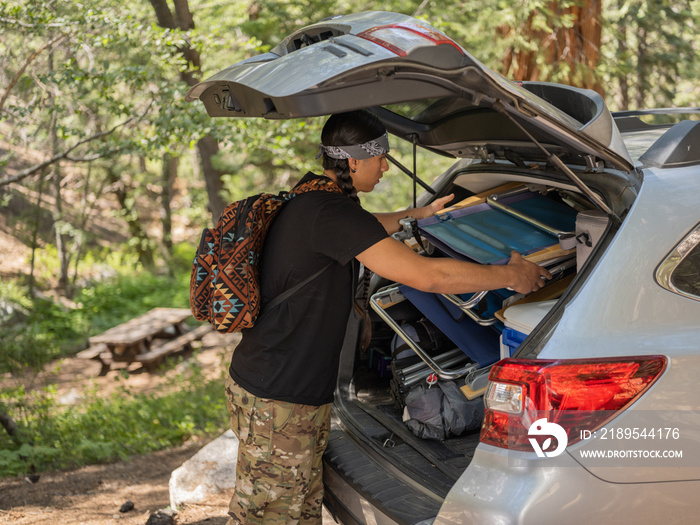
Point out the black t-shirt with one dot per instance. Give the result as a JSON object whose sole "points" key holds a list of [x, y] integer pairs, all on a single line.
{"points": [[292, 352]]}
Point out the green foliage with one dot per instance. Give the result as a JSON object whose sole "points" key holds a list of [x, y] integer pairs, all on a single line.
{"points": [[112, 428], [651, 56], [127, 295], [37, 330]]}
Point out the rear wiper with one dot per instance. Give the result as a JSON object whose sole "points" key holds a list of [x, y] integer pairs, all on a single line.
{"points": [[556, 161]]}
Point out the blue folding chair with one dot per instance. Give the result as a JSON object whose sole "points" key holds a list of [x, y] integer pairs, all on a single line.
{"points": [[485, 233]]}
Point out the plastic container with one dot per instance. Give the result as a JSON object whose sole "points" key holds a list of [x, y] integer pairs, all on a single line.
{"points": [[520, 320], [510, 341]]}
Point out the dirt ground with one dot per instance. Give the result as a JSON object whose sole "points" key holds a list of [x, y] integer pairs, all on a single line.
{"points": [[94, 495]]}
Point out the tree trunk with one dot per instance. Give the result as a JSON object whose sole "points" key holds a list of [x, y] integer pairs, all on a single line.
{"points": [[8, 424], [520, 64], [586, 38], [85, 210], [143, 246], [168, 175], [641, 81], [35, 233], [577, 47], [622, 77], [59, 223], [208, 146], [61, 237]]}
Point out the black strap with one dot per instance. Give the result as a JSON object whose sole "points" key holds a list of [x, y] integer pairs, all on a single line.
{"points": [[291, 291]]}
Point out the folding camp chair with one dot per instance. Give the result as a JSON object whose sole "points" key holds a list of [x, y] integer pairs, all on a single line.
{"points": [[485, 233]]}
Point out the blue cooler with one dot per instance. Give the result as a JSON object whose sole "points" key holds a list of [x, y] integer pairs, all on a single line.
{"points": [[520, 320], [510, 341]]}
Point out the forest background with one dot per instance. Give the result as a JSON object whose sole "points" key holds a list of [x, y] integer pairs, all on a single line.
{"points": [[107, 176]]}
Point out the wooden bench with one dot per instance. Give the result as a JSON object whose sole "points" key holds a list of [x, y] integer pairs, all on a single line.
{"points": [[126, 341], [153, 357], [93, 352], [100, 353]]}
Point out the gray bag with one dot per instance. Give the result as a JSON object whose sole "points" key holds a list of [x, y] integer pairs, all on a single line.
{"points": [[441, 411]]}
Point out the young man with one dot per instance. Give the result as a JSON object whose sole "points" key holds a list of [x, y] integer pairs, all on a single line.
{"points": [[283, 372]]}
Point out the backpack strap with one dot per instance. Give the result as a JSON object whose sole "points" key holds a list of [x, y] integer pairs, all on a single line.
{"points": [[312, 185], [294, 289], [318, 184]]}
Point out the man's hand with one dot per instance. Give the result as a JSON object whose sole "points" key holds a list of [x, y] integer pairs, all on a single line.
{"points": [[529, 277], [437, 205], [390, 220]]}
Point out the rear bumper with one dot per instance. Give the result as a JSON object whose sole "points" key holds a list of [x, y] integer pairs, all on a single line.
{"points": [[358, 490], [515, 489]]}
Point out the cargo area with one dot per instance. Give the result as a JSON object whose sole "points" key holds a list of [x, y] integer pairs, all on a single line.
{"points": [[416, 395]]}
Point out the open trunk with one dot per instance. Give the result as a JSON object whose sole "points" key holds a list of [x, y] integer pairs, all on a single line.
{"points": [[399, 465]]}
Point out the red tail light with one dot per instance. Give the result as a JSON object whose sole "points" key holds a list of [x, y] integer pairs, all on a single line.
{"points": [[577, 394], [401, 38]]}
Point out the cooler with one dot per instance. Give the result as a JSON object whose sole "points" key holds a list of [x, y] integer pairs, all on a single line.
{"points": [[520, 320]]}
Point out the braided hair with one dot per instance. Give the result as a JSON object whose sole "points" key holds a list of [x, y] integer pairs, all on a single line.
{"points": [[353, 127]]}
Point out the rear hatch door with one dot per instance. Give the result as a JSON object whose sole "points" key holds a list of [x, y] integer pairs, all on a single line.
{"points": [[425, 87]]}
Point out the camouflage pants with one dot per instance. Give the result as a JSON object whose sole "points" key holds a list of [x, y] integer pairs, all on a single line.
{"points": [[278, 473]]}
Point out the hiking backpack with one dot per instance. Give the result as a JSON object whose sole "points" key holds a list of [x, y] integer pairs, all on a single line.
{"points": [[224, 284]]}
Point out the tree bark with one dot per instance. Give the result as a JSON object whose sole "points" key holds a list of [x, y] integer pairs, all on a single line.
{"points": [[168, 176], [136, 229], [578, 46], [641, 81], [58, 222], [622, 77], [35, 234], [164, 16], [208, 146], [183, 15], [8, 424]]}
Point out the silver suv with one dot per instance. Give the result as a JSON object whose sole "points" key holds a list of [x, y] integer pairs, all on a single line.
{"points": [[573, 405]]}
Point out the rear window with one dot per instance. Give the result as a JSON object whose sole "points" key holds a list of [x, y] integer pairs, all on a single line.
{"points": [[680, 271], [430, 110]]}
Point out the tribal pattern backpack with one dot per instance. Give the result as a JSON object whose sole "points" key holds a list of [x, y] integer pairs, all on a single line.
{"points": [[224, 284]]}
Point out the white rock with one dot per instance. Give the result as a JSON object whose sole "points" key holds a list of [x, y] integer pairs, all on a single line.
{"points": [[212, 470], [70, 398]]}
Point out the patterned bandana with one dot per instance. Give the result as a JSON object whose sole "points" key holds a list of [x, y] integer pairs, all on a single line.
{"points": [[372, 148]]}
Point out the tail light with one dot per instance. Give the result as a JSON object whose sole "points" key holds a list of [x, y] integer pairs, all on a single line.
{"points": [[577, 394], [403, 37]]}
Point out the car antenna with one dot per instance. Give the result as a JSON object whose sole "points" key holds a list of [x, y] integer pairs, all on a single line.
{"points": [[551, 157]]}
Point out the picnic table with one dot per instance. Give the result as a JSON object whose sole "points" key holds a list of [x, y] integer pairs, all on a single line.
{"points": [[134, 340]]}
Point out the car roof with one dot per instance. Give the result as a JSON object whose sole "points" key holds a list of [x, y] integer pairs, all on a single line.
{"points": [[663, 137]]}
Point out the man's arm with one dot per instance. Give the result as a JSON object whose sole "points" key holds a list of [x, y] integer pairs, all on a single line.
{"points": [[395, 261], [390, 220]]}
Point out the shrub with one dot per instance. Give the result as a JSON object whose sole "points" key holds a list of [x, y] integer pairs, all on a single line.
{"points": [[108, 429]]}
